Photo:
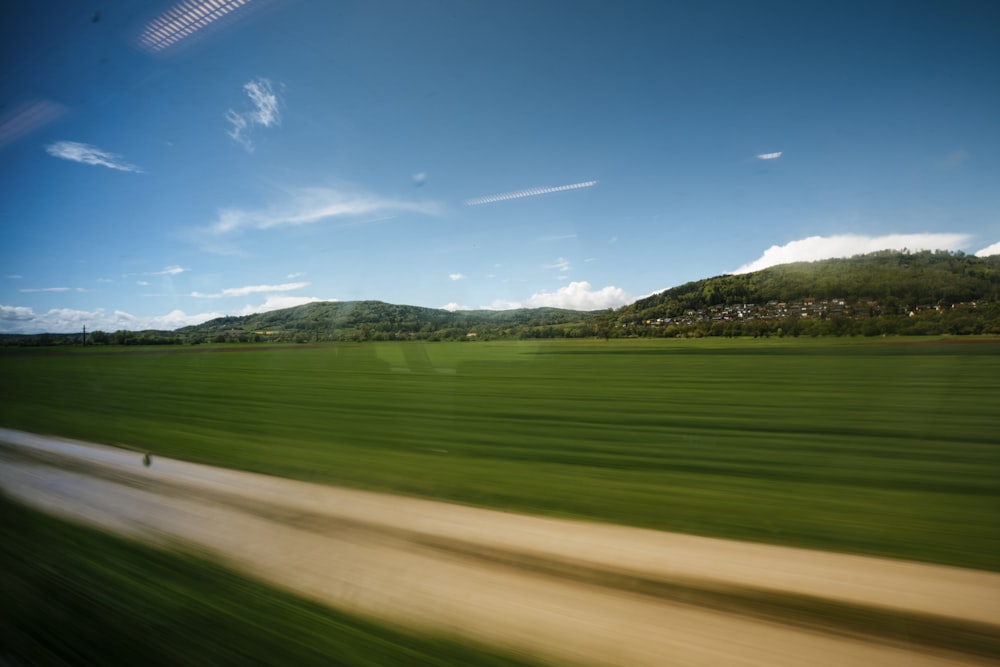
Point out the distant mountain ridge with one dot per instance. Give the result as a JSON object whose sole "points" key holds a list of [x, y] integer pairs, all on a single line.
{"points": [[884, 292], [368, 320]]}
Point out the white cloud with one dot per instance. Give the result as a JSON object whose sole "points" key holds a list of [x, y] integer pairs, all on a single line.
{"points": [[989, 250], [277, 302], [15, 314], [456, 276], [264, 112], [530, 192], [452, 307], [578, 295], [769, 156], [293, 276], [21, 319], [815, 248], [13, 276], [87, 154], [51, 289], [311, 205], [251, 289], [142, 283]]}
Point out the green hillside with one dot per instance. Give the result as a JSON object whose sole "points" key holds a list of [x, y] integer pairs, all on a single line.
{"points": [[879, 293], [882, 293], [377, 320]]}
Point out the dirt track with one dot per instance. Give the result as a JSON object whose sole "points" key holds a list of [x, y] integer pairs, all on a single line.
{"points": [[567, 592]]}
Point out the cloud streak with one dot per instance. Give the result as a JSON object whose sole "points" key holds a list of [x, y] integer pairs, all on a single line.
{"points": [[311, 205], [75, 151], [530, 192], [561, 264], [816, 248], [264, 113], [169, 271], [769, 156], [251, 289]]}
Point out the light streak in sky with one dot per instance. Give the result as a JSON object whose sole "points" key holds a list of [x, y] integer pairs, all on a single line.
{"points": [[530, 192]]}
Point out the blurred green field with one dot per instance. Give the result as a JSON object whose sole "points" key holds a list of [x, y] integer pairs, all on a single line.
{"points": [[74, 596], [879, 446]]}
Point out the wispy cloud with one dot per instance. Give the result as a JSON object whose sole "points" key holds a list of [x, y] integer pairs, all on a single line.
{"points": [[310, 205], [293, 276], [264, 112], [75, 151], [13, 276], [168, 271], [769, 156], [31, 290], [954, 159], [456, 276], [561, 264], [815, 248], [989, 250], [251, 289], [530, 192]]}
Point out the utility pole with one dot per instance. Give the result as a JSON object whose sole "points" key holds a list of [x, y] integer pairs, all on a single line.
{"points": [[85, 335]]}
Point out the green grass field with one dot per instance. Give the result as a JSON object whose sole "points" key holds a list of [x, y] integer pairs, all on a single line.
{"points": [[880, 446], [73, 596]]}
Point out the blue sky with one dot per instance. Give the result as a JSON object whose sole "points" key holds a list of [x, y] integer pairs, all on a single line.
{"points": [[164, 163]]}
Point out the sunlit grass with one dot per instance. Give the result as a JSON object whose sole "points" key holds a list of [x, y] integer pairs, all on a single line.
{"points": [[866, 446]]}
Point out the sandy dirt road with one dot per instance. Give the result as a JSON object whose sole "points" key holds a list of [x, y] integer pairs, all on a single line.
{"points": [[566, 592]]}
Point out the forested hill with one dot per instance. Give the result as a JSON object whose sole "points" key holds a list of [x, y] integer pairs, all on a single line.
{"points": [[881, 287], [377, 320], [887, 292], [889, 278]]}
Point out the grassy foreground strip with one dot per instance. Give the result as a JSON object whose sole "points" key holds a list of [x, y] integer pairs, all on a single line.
{"points": [[880, 446], [72, 595]]}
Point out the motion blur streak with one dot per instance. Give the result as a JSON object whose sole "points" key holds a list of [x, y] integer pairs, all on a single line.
{"points": [[183, 20], [530, 192], [26, 118], [569, 592]]}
